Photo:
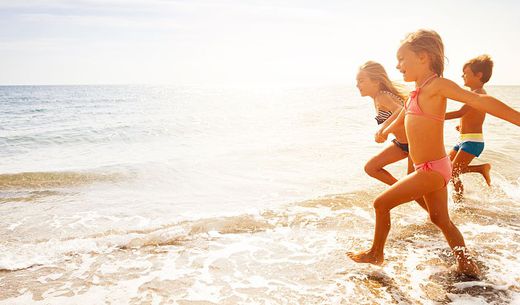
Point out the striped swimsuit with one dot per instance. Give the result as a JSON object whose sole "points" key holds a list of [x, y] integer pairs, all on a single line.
{"points": [[382, 116]]}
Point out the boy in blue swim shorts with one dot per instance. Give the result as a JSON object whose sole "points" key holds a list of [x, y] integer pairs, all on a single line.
{"points": [[476, 73]]}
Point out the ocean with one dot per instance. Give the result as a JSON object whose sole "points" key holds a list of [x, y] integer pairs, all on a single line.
{"points": [[196, 195]]}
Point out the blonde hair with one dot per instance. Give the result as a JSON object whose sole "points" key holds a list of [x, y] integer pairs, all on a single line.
{"points": [[429, 42], [377, 73], [483, 64]]}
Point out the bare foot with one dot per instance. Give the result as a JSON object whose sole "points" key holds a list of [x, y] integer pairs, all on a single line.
{"points": [[485, 172], [465, 264], [469, 268], [367, 256]]}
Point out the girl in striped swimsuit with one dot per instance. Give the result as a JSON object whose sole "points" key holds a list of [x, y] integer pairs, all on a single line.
{"points": [[373, 81]]}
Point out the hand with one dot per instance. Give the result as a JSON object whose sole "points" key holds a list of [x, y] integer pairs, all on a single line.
{"points": [[380, 137]]}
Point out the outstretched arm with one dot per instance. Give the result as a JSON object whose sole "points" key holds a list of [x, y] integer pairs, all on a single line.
{"points": [[480, 102], [456, 114]]}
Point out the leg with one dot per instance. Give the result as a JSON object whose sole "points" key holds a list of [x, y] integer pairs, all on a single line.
{"points": [[474, 149], [420, 201], [452, 154], [409, 188], [388, 155], [460, 163], [437, 202], [482, 169]]}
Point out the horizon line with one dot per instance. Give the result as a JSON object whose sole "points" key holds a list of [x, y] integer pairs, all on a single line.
{"points": [[210, 85]]}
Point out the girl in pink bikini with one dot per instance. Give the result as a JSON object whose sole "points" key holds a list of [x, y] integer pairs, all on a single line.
{"points": [[421, 60]]}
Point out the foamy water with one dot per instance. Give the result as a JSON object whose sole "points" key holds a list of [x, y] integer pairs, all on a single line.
{"points": [[151, 195]]}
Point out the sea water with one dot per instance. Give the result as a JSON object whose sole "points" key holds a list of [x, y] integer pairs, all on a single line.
{"points": [[190, 195]]}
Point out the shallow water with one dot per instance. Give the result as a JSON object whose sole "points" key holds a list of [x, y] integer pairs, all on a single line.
{"points": [[138, 195]]}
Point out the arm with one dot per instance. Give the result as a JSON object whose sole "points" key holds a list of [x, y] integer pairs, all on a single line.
{"points": [[483, 103], [391, 105], [389, 121], [397, 123], [456, 114]]}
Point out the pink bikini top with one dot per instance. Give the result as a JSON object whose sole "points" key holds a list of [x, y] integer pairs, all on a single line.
{"points": [[412, 107]]}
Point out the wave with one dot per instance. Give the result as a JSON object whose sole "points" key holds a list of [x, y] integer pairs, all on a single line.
{"points": [[39, 180], [24, 196], [329, 212]]}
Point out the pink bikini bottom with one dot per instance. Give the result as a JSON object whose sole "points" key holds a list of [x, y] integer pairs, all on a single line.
{"points": [[442, 166]]}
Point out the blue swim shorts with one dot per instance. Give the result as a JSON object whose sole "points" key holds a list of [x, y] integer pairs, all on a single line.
{"points": [[474, 148]]}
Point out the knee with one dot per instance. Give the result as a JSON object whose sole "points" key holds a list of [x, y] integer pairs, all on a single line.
{"points": [[371, 169], [380, 205], [440, 221]]}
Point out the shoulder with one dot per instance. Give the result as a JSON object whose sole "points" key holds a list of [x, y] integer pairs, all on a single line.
{"points": [[383, 98], [446, 87], [441, 83], [388, 99]]}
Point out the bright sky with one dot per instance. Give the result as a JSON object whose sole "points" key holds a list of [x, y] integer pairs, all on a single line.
{"points": [[242, 42]]}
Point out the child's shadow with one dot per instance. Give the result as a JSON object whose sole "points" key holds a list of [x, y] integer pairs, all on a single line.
{"points": [[440, 285], [451, 282]]}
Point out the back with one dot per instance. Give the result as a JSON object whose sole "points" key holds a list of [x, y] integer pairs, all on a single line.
{"points": [[472, 120]]}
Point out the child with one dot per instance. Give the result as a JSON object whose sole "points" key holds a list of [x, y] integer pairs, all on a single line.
{"points": [[476, 73], [421, 60], [373, 81]]}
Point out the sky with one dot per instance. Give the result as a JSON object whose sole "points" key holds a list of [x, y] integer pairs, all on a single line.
{"points": [[242, 42]]}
